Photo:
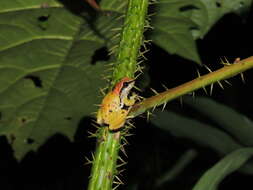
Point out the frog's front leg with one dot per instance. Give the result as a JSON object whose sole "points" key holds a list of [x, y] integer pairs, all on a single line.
{"points": [[130, 101]]}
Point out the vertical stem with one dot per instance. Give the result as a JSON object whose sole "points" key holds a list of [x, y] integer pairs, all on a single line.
{"points": [[131, 40], [108, 143]]}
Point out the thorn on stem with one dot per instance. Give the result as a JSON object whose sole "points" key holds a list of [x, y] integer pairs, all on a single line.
{"points": [[242, 77], [226, 81], [165, 87], [164, 105], [220, 85], [121, 160], [208, 68], [204, 88], [198, 73], [148, 115], [226, 62], [88, 161], [119, 181], [123, 150], [193, 94], [211, 89], [153, 90]]}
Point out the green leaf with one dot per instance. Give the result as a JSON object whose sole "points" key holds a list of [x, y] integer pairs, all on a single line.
{"points": [[201, 133], [237, 124], [113, 5], [178, 23], [172, 24], [215, 10], [211, 179], [47, 81]]}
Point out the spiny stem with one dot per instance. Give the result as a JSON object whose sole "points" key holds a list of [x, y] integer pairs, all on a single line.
{"points": [[108, 143], [227, 71], [131, 40]]}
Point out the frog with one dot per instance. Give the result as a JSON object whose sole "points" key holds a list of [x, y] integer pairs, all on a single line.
{"points": [[116, 105]]}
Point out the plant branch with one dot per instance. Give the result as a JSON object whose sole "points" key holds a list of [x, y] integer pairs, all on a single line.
{"points": [[228, 71], [104, 170]]}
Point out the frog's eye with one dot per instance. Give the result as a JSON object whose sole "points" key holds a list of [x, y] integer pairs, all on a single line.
{"points": [[126, 87], [125, 84]]}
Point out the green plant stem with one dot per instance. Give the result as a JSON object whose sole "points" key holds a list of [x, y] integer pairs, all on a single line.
{"points": [[108, 143], [226, 72], [131, 40]]}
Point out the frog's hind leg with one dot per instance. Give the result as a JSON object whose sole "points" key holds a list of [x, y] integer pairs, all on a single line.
{"points": [[118, 122], [100, 120]]}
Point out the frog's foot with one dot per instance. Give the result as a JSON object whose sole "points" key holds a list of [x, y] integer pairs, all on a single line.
{"points": [[139, 98], [130, 117], [130, 101]]}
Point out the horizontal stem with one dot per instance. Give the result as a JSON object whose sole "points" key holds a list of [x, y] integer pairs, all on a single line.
{"points": [[228, 71]]}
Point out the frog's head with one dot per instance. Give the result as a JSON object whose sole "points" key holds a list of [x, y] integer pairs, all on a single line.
{"points": [[123, 87]]}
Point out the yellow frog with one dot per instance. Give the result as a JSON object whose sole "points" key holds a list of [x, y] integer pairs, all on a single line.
{"points": [[116, 105]]}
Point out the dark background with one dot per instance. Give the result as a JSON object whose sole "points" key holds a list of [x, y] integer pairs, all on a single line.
{"points": [[59, 163]]}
